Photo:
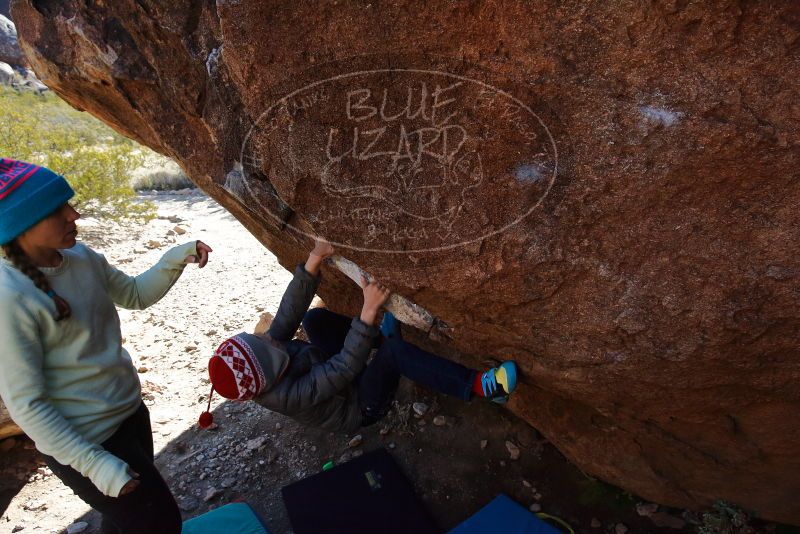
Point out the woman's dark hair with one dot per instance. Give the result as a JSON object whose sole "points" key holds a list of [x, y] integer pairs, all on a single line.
{"points": [[17, 257]]}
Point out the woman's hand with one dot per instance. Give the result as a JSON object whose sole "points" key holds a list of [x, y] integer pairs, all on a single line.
{"points": [[201, 258], [131, 485], [375, 296], [322, 249]]}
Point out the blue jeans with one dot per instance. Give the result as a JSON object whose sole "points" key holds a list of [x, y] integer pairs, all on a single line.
{"points": [[378, 382]]}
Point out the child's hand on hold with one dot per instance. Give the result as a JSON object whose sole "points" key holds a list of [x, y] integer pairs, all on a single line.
{"points": [[375, 296], [322, 248]]}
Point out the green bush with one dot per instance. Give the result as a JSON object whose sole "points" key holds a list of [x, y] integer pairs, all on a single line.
{"points": [[97, 162]]}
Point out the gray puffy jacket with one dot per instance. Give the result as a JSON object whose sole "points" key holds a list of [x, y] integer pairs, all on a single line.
{"points": [[306, 385]]}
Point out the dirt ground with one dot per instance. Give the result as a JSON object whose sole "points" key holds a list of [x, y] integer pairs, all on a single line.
{"points": [[456, 454]]}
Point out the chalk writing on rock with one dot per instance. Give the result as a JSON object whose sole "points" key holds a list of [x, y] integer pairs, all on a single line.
{"points": [[401, 160]]}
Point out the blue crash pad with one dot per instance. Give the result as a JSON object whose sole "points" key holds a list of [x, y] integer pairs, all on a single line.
{"points": [[506, 516], [234, 518]]}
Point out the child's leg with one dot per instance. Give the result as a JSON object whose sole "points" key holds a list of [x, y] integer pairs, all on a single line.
{"points": [[428, 369], [377, 385], [424, 367], [326, 329], [443, 375], [395, 358]]}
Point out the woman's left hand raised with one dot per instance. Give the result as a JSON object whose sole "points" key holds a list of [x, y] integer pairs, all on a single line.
{"points": [[201, 258]]}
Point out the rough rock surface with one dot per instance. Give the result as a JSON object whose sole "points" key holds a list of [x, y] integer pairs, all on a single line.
{"points": [[606, 192], [7, 427]]}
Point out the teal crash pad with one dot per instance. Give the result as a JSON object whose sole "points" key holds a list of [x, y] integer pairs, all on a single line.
{"points": [[234, 518], [506, 516]]}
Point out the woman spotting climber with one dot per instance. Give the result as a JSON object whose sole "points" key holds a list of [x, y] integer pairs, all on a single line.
{"points": [[327, 383], [66, 379]]}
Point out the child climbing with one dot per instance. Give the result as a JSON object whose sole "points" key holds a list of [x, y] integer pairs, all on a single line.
{"points": [[66, 379], [327, 382]]}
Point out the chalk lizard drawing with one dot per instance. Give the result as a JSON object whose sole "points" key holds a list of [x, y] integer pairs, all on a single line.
{"points": [[416, 151]]}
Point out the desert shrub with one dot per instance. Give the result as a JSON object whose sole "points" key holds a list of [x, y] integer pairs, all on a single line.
{"points": [[162, 180], [97, 162]]}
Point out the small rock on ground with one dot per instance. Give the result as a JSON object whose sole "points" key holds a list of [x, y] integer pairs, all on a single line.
{"points": [[646, 509], [513, 450], [187, 504], [211, 493], [33, 506], [255, 443], [420, 408]]}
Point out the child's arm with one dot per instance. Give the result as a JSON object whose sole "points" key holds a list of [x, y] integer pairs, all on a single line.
{"points": [[298, 296], [22, 387], [326, 379], [139, 292]]}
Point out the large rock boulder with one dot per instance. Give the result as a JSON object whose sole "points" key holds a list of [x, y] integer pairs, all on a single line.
{"points": [[9, 48], [607, 192], [7, 74]]}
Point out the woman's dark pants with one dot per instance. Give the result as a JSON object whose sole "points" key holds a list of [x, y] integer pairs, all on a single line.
{"points": [[377, 383], [150, 508]]}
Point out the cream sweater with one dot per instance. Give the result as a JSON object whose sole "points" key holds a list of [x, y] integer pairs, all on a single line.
{"points": [[70, 384]]}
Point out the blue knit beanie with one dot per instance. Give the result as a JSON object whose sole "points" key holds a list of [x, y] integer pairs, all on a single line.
{"points": [[28, 194]]}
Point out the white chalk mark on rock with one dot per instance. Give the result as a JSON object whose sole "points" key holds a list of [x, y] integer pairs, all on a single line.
{"points": [[663, 116], [212, 59]]}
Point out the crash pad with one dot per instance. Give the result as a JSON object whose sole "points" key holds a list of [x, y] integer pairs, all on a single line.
{"points": [[233, 518], [506, 516]]}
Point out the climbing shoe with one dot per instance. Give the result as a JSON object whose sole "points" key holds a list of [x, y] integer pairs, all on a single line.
{"points": [[499, 382]]}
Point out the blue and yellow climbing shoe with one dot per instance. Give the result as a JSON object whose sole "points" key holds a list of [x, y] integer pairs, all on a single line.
{"points": [[499, 382]]}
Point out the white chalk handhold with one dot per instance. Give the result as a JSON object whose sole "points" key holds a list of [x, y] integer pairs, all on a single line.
{"points": [[406, 311]]}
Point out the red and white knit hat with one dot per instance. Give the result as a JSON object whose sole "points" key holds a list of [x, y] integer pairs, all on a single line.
{"points": [[235, 373]]}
